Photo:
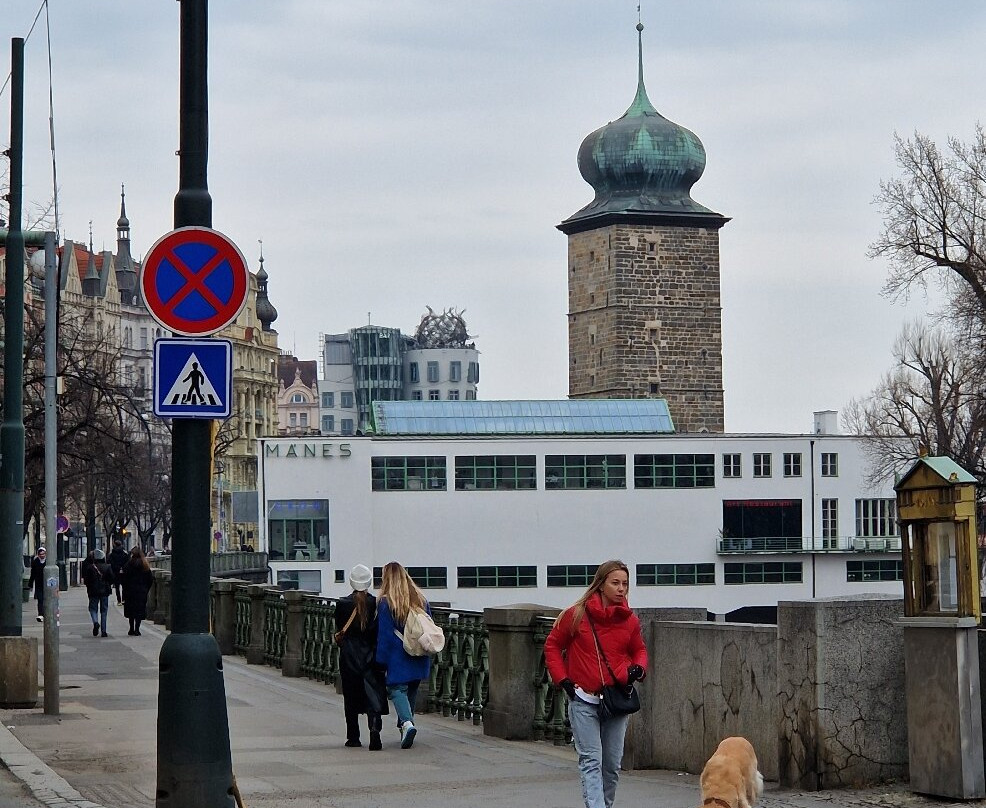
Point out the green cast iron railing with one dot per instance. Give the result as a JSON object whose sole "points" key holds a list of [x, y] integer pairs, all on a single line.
{"points": [[319, 652], [241, 633], [550, 716], [275, 627], [459, 680]]}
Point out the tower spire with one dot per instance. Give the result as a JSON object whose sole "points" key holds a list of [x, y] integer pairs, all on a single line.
{"points": [[641, 103]]}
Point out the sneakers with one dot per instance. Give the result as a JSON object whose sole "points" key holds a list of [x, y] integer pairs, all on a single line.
{"points": [[105, 634], [352, 743], [408, 731], [375, 744], [39, 618], [95, 629]]}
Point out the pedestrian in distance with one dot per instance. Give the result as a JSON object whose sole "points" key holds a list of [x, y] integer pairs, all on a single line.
{"points": [[118, 557], [136, 579], [37, 580], [363, 689], [98, 577], [597, 633], [398, 596]]}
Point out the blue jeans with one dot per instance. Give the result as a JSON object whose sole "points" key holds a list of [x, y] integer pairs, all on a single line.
{"points": [[403, 696], [98, 607], [599, 744]]}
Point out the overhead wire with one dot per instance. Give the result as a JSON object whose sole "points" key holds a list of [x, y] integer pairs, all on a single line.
{"points": [[51, 105], [43, 6], [51, 121]]}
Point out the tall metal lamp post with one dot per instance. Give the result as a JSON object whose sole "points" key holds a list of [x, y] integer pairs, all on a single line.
{"points": [[194, 765]]}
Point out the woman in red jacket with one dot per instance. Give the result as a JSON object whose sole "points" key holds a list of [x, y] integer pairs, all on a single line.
{"points": [[572, 654]]}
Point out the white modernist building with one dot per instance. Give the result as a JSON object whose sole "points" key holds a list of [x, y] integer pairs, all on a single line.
{"points": [[492, 503]]}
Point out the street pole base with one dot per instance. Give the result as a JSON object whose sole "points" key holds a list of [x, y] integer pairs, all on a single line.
{"points": [[194, 764]]}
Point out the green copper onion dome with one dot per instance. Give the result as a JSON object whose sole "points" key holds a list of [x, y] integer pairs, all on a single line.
{"points": [[641, 164]]}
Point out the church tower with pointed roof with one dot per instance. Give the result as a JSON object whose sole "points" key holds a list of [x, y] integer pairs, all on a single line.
{"points": [[645, 318]]}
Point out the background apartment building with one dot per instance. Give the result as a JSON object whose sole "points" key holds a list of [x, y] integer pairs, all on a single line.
{"points": [[378, 363]]}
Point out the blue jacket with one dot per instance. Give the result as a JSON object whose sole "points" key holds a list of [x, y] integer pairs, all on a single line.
{"points": [[401, 666]]}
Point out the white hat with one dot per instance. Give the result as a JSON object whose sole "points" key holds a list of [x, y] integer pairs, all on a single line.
{"points": [[360, 578]]}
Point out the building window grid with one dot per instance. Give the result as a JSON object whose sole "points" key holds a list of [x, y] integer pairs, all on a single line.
{"points": [[346, 426], [580, 472], [571, 574], [674, 471], [887, 569], [413, 372], [433, 372], [429, 577], [675, 574], [455, 371], [496, 472], [792, 464], [732, 465], [489, 577], [328, 400], [830, 523], [766, 572], [346, 400], [328, 423], [876, 518], [761, 464], [408, 474], [830, 464]]}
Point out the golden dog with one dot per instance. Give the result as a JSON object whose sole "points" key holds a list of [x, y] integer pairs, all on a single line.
{"points": [[731, 779]]}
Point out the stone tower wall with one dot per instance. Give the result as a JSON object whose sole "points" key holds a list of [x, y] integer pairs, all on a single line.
{"points": [[645, 319]]}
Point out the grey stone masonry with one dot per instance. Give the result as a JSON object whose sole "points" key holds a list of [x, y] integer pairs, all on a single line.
{"points": [[645, 319], [509, 713], [840, 682], [708, 681]]}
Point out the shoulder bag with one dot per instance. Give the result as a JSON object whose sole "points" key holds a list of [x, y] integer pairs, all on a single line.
{"points": [[339, 635], [615, 699]]}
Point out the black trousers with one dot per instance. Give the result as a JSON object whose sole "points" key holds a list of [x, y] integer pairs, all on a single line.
{"points": [[373, 722]]}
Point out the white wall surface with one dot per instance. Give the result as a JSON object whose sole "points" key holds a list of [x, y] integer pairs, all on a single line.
{"points": [[467, 528]]}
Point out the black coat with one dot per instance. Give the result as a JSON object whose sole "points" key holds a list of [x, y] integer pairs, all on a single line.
{"points": [[362, 684], [37, 581], [117, 558], [98, 578], [136, 582]]}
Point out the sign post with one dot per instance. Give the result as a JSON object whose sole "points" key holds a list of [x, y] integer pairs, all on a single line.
{"points": [[194, 764]]}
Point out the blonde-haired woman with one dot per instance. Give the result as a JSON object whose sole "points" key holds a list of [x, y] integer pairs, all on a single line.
{"points": [[398, 595], [599, 625]]}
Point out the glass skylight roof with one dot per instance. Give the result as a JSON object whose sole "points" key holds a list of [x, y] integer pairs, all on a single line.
{"points": [[643, 416]]}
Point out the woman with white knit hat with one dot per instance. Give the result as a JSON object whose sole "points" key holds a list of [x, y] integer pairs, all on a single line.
{"points": [[363, 689]]}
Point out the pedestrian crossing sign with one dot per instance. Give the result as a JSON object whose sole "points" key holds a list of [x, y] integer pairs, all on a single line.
{"points": [[193, 378]]}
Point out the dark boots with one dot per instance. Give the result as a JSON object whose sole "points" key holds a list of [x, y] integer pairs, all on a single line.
{"points": [[376, 724]]}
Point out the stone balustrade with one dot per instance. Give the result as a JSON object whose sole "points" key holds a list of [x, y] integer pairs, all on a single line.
{"points": [[820, 694]]}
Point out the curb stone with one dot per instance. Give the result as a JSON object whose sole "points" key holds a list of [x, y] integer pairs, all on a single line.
{"points": [[46, 785]]}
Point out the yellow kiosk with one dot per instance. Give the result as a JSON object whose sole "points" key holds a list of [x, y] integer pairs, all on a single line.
{"points": [[936, 505]]}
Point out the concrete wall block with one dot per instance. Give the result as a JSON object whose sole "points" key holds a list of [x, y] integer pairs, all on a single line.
{"points": [[509, 711], [840, 673], [707, 681], [19, 664]]}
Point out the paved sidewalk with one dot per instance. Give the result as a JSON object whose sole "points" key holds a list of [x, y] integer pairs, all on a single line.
{"points": [[287, 740]]}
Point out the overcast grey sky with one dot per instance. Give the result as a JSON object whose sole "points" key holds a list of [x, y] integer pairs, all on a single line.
{"points": [[408, 153]]}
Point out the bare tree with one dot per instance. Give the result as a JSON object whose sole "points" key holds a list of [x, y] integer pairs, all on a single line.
{"points": [[932, 401], [934, 217], [107, 448]]}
